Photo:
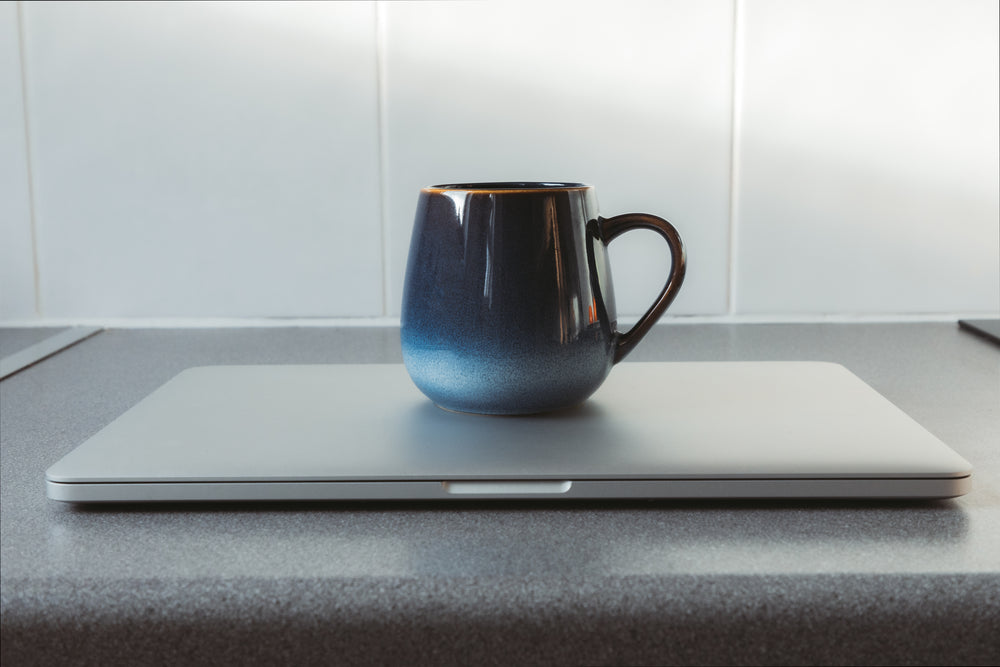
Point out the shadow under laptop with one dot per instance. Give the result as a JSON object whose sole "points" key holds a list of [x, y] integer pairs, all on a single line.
{"points": [[945, 506]]}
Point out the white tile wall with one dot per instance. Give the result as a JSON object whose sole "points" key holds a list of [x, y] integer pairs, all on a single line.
{"points": [[215, 159], [263, 159], [17, 282], [868, 171], [631, 97]]}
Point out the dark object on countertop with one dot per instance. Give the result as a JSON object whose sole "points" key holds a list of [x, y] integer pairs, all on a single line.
{"points": [[988, 329], [508, 307]]}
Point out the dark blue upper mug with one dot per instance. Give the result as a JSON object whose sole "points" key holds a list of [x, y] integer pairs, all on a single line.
{"points": [[508, 306]]}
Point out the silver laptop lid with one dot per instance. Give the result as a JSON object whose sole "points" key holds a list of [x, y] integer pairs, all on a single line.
{"points": [[260, 425]]}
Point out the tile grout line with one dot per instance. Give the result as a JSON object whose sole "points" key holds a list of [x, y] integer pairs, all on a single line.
{"points": [[380, 111], [735, 139], [35, 271]]}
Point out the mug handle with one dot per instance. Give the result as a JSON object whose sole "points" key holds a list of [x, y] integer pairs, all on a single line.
{"points": [[618, 225]]}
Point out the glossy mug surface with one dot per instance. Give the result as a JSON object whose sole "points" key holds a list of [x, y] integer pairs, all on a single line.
{"points": [[508, 306]]}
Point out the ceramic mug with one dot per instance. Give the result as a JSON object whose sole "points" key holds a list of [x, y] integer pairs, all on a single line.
{"points": [[508, 306]]}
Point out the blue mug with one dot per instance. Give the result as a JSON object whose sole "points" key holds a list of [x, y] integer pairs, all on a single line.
{"points": [[508, 306]]}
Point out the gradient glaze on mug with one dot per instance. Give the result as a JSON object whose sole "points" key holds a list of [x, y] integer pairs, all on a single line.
{"points": [[508, 306]]}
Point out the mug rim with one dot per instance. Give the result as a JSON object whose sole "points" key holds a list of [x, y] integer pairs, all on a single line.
{"points": [[507, 186]]}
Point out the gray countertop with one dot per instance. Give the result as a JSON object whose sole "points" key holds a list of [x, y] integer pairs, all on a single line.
{"points": [[15, 340], [515, 582]]}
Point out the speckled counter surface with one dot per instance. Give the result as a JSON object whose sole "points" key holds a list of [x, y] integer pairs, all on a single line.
{"points": [[15, 340], [505, 583]]}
